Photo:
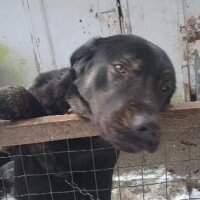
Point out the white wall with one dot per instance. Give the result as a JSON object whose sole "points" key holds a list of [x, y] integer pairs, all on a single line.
{"points": [[40, 35]]}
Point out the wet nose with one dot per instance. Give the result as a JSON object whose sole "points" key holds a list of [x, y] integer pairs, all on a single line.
{"points": [[146, 126]]}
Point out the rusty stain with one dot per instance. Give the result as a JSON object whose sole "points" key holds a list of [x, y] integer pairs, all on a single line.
{"points": [[191, 30], [195, 38], [188, 143], [190, 34]]}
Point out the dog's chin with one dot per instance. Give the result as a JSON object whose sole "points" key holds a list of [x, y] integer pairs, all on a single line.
{"points": [[132, 146]]}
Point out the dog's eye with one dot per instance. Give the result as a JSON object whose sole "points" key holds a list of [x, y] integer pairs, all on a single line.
{"points": [[120, 68], [164, 88]]}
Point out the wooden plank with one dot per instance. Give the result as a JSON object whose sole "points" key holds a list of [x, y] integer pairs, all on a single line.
{"points": [[180, 117], [44, 129]]}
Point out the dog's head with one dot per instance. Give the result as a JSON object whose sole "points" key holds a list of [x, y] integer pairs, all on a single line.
{"points": [[125, 82]]}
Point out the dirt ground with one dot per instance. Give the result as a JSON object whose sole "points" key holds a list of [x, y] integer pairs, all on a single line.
{"points": [[172, 173]]}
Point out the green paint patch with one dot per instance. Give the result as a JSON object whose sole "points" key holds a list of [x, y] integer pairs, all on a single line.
{"points": [[4, 51], [14, 68]]}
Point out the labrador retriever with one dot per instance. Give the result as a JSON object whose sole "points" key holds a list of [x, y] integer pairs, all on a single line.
{"points": [[120, 83]]}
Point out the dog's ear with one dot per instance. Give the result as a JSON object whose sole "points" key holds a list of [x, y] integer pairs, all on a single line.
{"points": [[80, 60], [87, 50]]}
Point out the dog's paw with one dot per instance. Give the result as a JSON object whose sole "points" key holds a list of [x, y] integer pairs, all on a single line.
{"points": [[18, 103], [9, 100]]}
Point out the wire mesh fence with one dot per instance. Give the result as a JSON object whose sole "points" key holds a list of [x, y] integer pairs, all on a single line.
{"points": [[62, 170], [173, 172]]}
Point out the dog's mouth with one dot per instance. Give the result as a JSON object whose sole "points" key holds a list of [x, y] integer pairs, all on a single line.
{"points": [[130, 139], [131, 128], [136, 147], [132, 144]]}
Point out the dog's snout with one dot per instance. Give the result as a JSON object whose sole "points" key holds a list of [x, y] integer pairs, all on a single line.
{"points": [[145, 129], [146, 126]]}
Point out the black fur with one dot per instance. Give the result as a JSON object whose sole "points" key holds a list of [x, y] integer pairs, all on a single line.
{"points": [[120, 83]]}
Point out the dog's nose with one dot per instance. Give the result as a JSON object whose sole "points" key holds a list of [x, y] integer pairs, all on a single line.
{"points": [[146, 126]]}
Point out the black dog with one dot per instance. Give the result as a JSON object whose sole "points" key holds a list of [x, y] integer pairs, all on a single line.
{"points": [[120, 83]]}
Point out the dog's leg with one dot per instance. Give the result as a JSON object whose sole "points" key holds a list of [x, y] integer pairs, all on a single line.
{"points": [[18, 103]]}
